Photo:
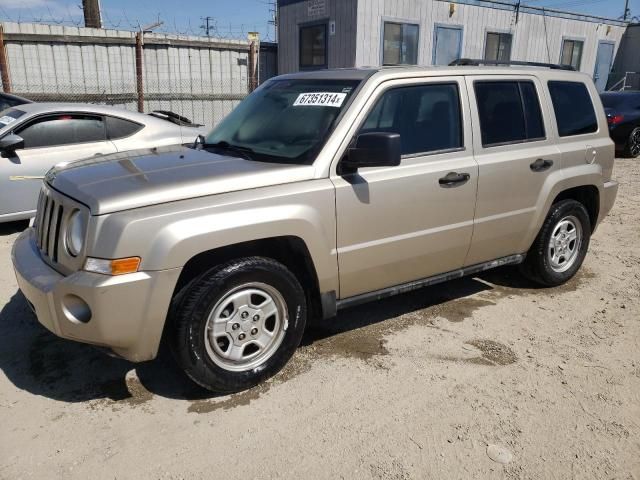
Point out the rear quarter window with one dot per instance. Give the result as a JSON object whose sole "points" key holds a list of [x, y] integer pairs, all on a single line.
{"points": [[120, 128], [573, 107]]}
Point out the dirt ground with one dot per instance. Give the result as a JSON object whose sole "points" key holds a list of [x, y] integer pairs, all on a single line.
{"points": [[417, 386]]}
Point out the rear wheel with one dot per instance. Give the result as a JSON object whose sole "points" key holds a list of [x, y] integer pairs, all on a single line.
{"points": [[561, 246], [632, 149], [238, 324]]}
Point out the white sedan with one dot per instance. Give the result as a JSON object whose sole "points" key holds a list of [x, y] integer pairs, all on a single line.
{"points": [[36, 136]]}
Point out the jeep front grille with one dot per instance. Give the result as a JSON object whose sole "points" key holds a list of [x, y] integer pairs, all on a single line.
{"points": [[48, 225]]}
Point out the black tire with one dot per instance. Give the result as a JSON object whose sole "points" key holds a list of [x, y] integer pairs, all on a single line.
{"points": [[190, 312], [632, 147], [537, 266]]}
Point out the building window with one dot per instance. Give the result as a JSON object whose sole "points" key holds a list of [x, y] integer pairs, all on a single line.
{"points": [[400, 44], [498, 47], [313, 46], [572, 53]]}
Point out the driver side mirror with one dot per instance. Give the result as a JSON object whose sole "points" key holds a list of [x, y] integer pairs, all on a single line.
{"points": [[376, 149], [10, 143], [199, 142]]}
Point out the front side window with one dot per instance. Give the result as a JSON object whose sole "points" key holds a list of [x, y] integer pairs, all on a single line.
{"points": [[63, 129], [400, 44], [498, 47], [284, 121], [574, 110], [313, 46], [572, 53], [509, 112], [427, 117]]}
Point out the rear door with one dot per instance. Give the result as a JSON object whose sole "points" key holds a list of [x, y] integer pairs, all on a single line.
{"points": [[516, 154], [48, 140]]}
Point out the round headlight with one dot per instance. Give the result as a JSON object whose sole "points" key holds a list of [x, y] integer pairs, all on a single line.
{"points": [[75, 233]]}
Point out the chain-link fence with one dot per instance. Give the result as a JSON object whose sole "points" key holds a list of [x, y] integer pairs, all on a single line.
{"points": [[200, 78]]}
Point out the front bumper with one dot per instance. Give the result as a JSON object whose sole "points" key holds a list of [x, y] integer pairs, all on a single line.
{"points": [[124, 313]]}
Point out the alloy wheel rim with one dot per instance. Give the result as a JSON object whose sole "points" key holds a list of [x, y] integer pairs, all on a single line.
{"points": [[564, 245], [635, 142], [246, 327]]}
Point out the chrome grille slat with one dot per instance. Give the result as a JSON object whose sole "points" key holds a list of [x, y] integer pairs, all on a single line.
{"points": [[52, 216]]}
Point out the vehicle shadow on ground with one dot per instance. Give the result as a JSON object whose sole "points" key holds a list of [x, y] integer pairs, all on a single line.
{"points": [[37, 361], [10, 228]]}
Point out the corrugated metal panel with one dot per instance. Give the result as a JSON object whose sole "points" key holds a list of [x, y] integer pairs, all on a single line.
{"points": [[536, 37], [199, 78]]}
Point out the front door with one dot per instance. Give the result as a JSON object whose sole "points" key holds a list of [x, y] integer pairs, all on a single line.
{"points": [[415, 220], [604, 60], [447, 44], [49, 140]]}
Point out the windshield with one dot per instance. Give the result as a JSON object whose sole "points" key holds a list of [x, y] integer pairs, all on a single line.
{"points": [[284, 120]]}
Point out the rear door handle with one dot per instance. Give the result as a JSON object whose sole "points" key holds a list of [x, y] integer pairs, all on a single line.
{"points": [[540, 165], [454, 179]]}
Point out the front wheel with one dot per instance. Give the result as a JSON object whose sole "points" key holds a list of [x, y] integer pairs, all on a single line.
{"points": [[561, 245], [238, 324]]}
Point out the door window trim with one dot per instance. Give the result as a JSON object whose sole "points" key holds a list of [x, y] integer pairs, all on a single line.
{"points": [[518, 81]]}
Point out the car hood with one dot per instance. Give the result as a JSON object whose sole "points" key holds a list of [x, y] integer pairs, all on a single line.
{"points": [[127, 180]]}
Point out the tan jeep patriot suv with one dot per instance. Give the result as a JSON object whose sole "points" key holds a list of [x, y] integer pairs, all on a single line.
{"points": [[321, 190]]}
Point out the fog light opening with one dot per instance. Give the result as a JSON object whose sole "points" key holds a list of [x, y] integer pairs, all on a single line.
{"points": [[75, 309]]}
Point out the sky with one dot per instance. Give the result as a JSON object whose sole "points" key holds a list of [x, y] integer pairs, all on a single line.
{"points": [[230, 18]]}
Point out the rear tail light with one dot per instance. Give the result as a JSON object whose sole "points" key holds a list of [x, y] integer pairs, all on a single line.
{"points": [[615, 119]]}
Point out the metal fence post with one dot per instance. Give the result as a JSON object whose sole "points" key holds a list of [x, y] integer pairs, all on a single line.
{"points": [[4, 64], [139, 84], [254, 39]]}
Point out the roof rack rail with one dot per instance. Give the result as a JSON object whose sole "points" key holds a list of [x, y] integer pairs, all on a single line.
{"points": [[476, 62]]}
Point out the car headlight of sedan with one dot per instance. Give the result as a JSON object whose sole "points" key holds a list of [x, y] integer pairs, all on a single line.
{"points": [[76, 230]]}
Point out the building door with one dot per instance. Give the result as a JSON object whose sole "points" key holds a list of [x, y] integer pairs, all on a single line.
{"points": [[604, 59], [447, 44]]}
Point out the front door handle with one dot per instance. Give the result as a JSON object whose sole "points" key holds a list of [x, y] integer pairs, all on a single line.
{"points": [[540, 165], [454, 179]]}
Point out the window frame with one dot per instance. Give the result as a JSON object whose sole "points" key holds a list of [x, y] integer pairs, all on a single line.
{"points": [[500, 33], [29, 121], [518, 81], [555, 116], [574, 40], [402, 22], [378, 97], [302, 26]]}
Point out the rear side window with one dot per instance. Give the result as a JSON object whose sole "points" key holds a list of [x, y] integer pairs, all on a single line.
{"points": [[63, 129], [119, 128], [427, 117], [574, 109], [509, 112]]}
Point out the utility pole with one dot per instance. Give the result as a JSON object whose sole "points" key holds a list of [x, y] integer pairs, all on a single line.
{"points": [[626, 10], [208, 25], [91, 10], [273, 10]]}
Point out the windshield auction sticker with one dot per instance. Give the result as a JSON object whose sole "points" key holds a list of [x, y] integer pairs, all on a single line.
{"points": [[6, 120], [320, 99]]}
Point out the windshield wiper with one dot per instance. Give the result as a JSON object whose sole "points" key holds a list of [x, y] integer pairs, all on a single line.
{"points": [[245, 152]]}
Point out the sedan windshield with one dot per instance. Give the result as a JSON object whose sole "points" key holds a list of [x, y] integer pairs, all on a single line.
{"points": [[283, 121]]}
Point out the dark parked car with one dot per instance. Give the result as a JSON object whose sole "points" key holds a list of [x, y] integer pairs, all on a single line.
{"points": [[7, 100], [623, 117]]}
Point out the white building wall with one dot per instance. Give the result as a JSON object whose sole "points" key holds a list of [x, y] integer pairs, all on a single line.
{"points": [[536, 38]]}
